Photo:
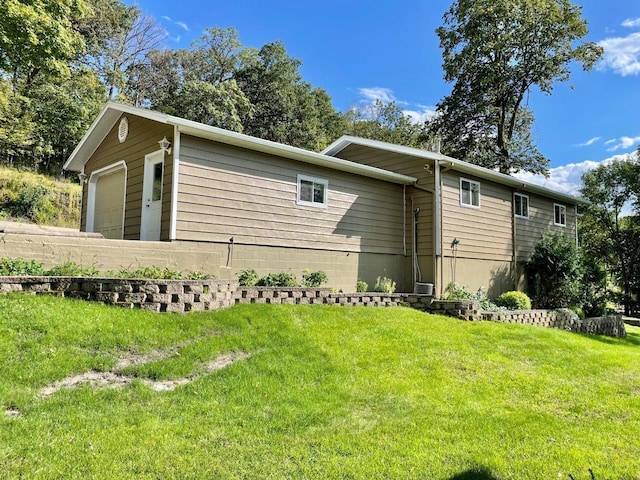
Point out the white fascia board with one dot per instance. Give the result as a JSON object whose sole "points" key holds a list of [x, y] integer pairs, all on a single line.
{"points": [[100, 128], [454, 164], [112, 111]]}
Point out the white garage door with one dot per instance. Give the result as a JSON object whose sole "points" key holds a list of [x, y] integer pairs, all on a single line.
{"points": [[109, 204]]}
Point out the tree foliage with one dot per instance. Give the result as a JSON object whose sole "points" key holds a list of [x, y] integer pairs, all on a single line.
{"points": [[554, 272], [387, 122], [495, 52], [610, 224]]}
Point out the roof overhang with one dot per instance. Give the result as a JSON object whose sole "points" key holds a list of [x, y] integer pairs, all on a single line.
{"points": [[454, 164], [112, 112]]}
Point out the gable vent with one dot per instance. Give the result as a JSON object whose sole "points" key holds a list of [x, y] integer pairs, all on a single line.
{"points": [[123, 129]]}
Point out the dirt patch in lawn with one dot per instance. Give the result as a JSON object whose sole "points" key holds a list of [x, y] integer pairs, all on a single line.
{"points": [[115, 379]]}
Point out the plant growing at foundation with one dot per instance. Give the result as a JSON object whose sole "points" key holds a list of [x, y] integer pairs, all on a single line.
{"points": [[385, 285], [361, 286], [248, 278], [154, 272], [514, 301], [18, 267], [457, 292], [72, 269], [282, 279], [314, 279]]}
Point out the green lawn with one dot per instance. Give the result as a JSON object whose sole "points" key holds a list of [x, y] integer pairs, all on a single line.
{"points": [[325, 392]]}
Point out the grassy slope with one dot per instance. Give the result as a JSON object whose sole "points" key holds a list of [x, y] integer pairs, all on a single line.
{"points": [[40, 199], [329, 392]]}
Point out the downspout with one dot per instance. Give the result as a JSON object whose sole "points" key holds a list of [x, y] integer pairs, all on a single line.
{"points": [[437, 230], [514, 239], [417, 274], [575, 220], [175, 183], [404, 220]]}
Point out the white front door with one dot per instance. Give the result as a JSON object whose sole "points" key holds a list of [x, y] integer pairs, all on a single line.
{"points": [[152, 196]]}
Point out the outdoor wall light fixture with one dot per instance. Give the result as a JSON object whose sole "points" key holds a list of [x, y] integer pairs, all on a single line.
{"points": [[165, 145], [82, 177]]}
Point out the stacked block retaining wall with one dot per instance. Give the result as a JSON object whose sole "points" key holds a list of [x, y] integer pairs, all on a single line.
{"points": [[201, 295]]}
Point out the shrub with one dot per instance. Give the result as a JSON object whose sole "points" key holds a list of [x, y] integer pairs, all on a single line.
{"points": [[18, 267], [281, 279], [514, 301], [314, 279], [578, 311], [554, 272], [248, 278], [384, 284], [456, 292], [361, 286]]}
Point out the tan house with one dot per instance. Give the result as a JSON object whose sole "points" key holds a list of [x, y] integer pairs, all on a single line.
{"points": [[360, 209]]}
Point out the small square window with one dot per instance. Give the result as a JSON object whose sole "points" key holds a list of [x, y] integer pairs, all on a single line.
{"points": [[559, 215], [312, 191], [469, 193], [521, 205]]}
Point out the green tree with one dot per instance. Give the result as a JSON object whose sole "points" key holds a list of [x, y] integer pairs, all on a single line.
{"points": [[119, 38], [386, 122], [286, 109], [496, 52], [609, 226], [39, 37]]}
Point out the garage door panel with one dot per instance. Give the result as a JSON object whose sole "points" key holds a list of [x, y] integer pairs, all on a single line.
{"points": [[109, 204]]}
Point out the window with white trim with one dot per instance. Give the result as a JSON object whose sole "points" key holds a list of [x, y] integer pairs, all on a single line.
{"points": [[312, 191], [559, 215], [521, 205], [469, 193]]}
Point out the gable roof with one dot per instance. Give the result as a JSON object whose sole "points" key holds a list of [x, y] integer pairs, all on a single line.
{"points": [[449, 162], [112, 112]]}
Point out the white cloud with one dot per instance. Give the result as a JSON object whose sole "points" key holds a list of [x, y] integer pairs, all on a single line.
{"points": [[631, 22], [421, 115], [622, 143], [609, 142], [377, 93], [589, 142], [567, 178], [417, 113], [621, 54], [182, 25]]}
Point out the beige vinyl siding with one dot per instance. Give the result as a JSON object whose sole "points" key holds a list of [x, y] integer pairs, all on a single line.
{"points": [[142, 139], [228, 192], [485, 233], [391, 161], [541, 211]]}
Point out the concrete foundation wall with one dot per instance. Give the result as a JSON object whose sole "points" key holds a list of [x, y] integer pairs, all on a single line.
{"points": [[494, 276], [113, 255], [343, 268]]}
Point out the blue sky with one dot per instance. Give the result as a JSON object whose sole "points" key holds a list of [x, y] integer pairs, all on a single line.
{"points": [[359, 51]]}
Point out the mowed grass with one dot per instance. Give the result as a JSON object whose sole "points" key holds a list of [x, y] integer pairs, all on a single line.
{"points": [[328, 392]]}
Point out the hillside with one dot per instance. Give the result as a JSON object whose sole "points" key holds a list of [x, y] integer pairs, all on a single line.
{"points": [[33, 198], [261, 391]]}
